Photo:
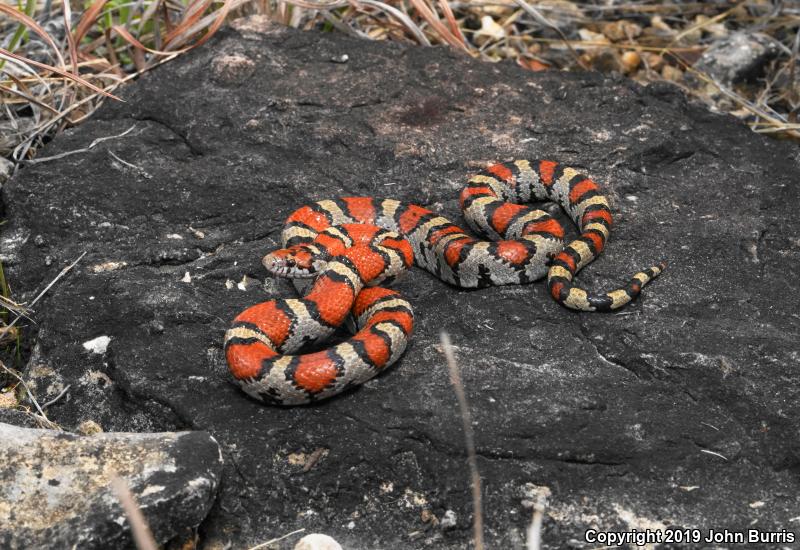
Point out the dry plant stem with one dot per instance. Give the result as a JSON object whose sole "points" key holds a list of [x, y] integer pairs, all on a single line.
{"points": [[776, 123], [84, 150], [57, 397], [535, 528], [33, 25], [43, 127], [28, 391], [469, 438], [141, 171], [13, 306], [273, 541], [527, 8], [325, 8], [66, 74], [723, 457], [42, 293], [698, 26], [30, 99], [142, 535]]}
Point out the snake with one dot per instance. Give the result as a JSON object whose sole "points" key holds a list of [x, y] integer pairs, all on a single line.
{"points": [[341, 251]]}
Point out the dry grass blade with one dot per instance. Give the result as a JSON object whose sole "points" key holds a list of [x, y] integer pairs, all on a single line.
{"points": [[73, 50], [215, 20], [128, 37], [41, 416], [193, 14], [142, 535], [404, 19], [431, 18], [469, 438], [63, 272], [66, 74], [88, 19], [451, 20], [533, 12], [33, 25], [14, 307], [29, 98], [93, 144], [326, 8], [535, 528], [778, 124]]}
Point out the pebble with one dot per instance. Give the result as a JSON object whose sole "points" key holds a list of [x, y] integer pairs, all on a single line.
{"points": [[317, 541], [736, 58]]}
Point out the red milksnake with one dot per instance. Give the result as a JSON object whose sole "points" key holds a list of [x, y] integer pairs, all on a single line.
{"points": [[353, 243]]}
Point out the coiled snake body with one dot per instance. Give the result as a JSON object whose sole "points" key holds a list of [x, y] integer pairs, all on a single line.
{"points": [[351, 244]]}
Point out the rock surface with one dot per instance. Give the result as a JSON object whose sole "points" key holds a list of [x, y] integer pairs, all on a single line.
{"points": [[54, 486], [680, 410], [740, 56]]}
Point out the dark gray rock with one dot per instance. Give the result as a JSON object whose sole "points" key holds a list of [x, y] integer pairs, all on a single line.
{"points": [[682, 409], [54, 486], [19, 418], [737, 57]]}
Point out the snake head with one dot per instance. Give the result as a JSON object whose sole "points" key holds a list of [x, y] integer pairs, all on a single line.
{"points": [[294, 263]]}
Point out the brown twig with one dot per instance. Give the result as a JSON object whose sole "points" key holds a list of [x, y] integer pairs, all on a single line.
{"points": [[142, 535], [469, 437]]}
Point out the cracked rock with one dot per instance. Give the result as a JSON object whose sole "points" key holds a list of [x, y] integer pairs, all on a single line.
{"points": [[681, 409], [54, 486]]}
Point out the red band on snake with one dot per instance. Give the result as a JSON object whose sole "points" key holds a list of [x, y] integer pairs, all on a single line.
{"points": [[351, 244]]}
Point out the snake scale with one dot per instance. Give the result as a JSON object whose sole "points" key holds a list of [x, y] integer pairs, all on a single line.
{"points": [[347, 246]]}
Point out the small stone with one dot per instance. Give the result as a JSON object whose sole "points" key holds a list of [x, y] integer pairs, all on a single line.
{"points": [[232, 69], [654, 61], [736, 58], [428, 517], [344, 58], [97, 345], [89, 427], [621, 30], [672, 73], [658, 23], [590, 36], [317, 541], [489, 31], [630, 61], [255, 25], [155, 327], [38, 240], [449, 520]]}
